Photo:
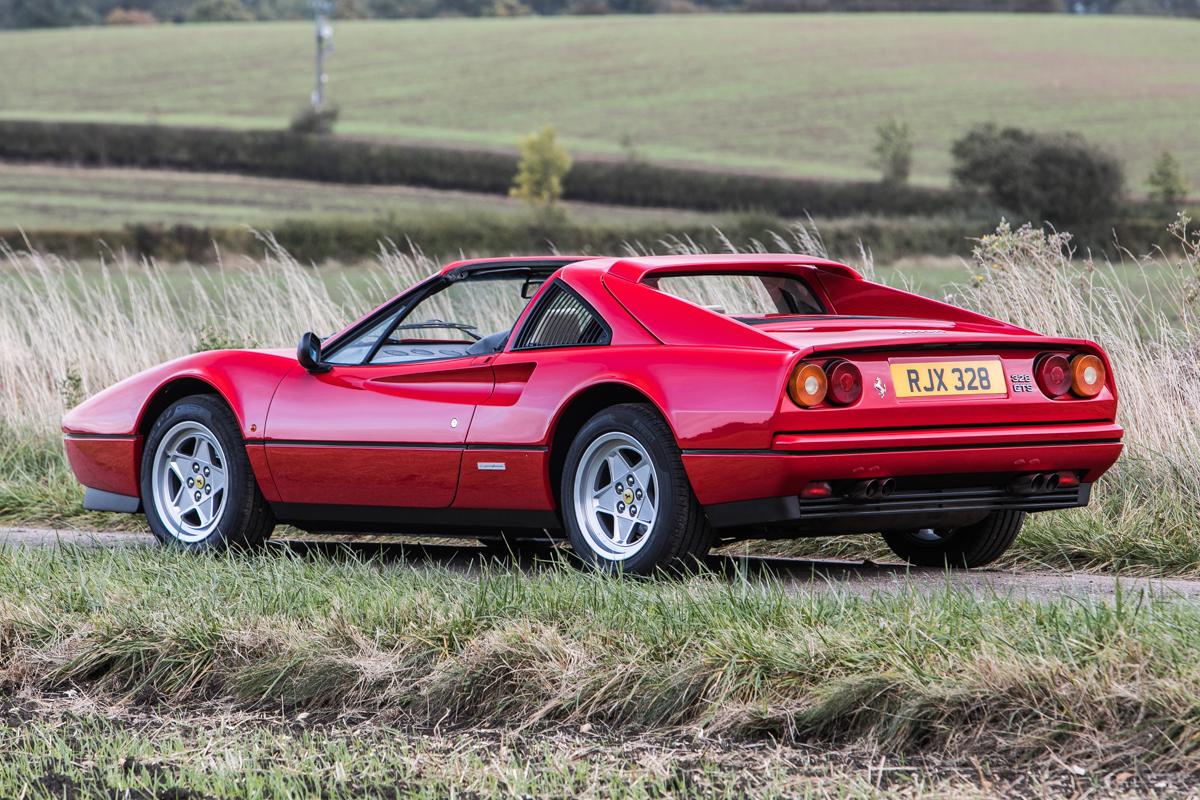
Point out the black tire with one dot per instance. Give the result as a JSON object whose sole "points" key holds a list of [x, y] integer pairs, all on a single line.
{"points": [[680, 534], [245, 519], [970, 546]]}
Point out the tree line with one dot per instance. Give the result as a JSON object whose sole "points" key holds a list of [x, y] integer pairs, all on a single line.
{"points": [[59, 13]]}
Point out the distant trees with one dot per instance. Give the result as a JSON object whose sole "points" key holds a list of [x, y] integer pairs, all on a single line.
{"points": [[48, 13], [1058, 178], [219, 11], [893, 152], [53, 13]]}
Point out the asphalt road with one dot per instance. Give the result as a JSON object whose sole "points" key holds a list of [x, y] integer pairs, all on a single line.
{"points": [[858, 577]]}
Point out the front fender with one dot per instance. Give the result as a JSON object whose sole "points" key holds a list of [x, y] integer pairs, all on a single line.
{"points": [[245, 379]]}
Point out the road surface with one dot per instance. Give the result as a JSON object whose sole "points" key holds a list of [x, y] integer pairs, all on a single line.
{"points": [[852, 576]]}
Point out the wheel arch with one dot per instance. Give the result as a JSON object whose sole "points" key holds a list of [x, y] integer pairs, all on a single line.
{"points": [[171, 391], [578, 410]]}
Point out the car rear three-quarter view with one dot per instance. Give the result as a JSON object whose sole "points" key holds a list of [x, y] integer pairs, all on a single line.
{"points": [[644, 409]]}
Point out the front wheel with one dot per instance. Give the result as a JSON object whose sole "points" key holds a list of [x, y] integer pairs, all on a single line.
{"points": [[970, 546], [627, 504], [197, 486]]}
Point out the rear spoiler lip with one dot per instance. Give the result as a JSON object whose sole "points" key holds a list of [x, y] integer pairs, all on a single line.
{"points": [[1001, 341], [636, 270]]}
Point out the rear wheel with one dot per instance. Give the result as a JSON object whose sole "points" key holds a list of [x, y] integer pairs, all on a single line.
{"points": [[970, 546], [197, 486], [626, 500]]}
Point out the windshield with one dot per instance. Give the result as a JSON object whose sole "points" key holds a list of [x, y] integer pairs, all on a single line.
{"points": [[750, 297]]}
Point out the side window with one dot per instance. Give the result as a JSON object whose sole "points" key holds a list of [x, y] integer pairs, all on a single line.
{"points": [[465, 317], [561, 319]]}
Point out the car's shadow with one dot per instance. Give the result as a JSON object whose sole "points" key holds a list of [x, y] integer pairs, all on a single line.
{"points": [[473, 558]]}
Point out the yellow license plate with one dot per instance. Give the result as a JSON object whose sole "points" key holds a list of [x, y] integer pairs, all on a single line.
{"points": [[947, 378]]}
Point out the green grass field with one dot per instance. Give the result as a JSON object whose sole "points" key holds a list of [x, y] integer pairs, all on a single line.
{"points": [[329, 675], [36, 197], [796, 93]]}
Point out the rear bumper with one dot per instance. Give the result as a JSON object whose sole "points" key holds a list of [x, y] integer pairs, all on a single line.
{"points": [[937, 471]]}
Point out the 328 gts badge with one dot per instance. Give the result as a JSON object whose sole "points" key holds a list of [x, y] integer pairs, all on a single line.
{"points": [[1021, 383]]}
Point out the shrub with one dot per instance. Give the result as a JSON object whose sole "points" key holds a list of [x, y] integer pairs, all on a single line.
{"points": [[130, 16], [540, 172], [894, 151], [1168, 187], [219, 11], [1057, 178], [319, 121]]}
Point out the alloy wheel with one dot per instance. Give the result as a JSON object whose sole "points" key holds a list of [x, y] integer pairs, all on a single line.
{"points": [[616, 495], [189, 481]]}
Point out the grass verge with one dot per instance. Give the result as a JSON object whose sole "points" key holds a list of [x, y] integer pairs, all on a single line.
{"points": [[1104, 686]]}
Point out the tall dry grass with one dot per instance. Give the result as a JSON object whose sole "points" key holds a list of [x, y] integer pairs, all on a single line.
{"points": [[67, 331]]}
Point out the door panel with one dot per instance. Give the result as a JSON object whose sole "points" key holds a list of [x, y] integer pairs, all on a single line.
{"points": [[374, 435]]}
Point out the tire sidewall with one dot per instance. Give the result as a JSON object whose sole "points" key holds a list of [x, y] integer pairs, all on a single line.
{"points": [[662, 454], [970, 546], [219, 422]]}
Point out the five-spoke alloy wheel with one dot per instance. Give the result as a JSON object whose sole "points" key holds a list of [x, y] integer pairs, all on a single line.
{"points": [[616, 491], [197, 486], [626, 500], [189, 481]]}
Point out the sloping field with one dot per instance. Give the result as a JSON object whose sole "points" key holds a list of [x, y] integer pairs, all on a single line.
{"points": [[798, 93], [38, 196]]}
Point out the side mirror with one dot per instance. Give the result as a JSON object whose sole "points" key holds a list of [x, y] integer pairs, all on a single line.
{"points": [[309, 353]]}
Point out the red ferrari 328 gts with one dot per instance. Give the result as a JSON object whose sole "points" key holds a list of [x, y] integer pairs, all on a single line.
{"points": [[647, 408]]}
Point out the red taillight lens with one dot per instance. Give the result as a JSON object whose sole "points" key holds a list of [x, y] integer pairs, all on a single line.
{"points": [[845, 383], [1087, 375], [1053, 373]]}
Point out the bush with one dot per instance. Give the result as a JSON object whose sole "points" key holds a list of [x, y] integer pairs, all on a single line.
{"points": [[219, 11], [319, 121], [130, 16], [1057, 178], [894, 152], [1168, 187], [540, 172]]}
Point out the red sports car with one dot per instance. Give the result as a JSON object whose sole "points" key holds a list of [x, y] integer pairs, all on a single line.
{"points": [[645, 408]]}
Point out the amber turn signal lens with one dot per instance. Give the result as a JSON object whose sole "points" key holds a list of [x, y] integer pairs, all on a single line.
{"points": [[1053, 374], [808, 385], [1087, 375]]}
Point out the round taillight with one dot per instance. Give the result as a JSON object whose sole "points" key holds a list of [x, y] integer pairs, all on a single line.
{"points": [[845, 383], [1087, 375], [1053, 373], [808, 385]]}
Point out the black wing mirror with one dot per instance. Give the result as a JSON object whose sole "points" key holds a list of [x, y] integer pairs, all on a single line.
{"points": [[309, 353]]}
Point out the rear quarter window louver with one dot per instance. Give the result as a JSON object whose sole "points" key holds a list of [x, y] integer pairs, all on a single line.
{"points": [[562, 320]]}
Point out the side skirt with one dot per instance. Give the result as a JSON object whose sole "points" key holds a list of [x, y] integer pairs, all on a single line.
{"points": [[389, 519]]}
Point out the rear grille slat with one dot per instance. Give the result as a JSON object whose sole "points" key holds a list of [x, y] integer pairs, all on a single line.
{"points": [[933, 501]]}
